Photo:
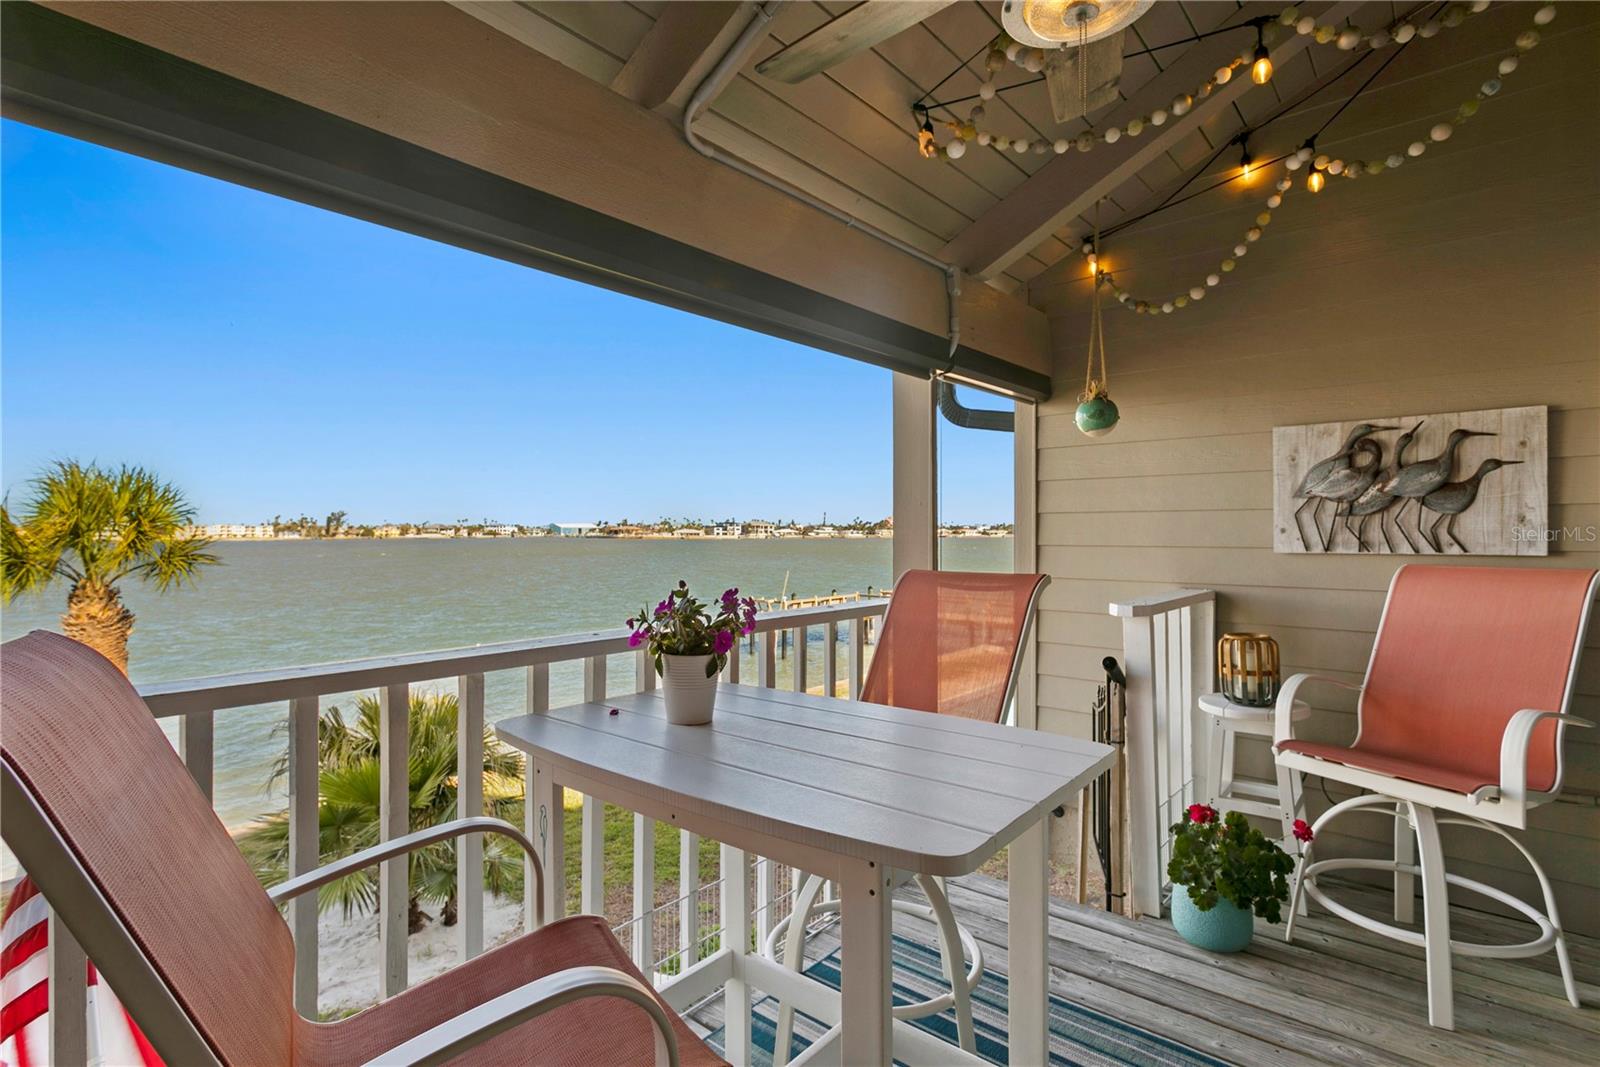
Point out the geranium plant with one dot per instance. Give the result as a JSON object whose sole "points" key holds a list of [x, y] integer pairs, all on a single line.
{"points": [[1227, 858], [681, 625]]}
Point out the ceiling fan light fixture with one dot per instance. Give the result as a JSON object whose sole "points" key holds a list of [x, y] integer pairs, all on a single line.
{"points": [[1052, 23]]}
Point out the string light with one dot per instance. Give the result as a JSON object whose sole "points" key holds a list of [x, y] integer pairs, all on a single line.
{"points": [[1321, 166], [1245, 163], [1261, 63], [925, 142]]}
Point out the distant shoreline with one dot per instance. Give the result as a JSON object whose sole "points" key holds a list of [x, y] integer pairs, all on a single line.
{"points": [[708, 539]]}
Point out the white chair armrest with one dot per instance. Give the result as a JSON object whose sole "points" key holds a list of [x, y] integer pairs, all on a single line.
{"points": [[1283, 711], [482, 824], [449, 1039], [1514, 751]]}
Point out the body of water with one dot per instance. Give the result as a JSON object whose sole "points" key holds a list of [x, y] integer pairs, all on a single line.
{"points": [[286, 603]]}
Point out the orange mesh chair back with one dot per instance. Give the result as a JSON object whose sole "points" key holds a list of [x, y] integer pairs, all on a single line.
{"points": [[1460, 651], [950, 642], [83, 743]]}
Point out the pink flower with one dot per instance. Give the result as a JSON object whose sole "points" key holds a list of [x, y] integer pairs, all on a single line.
{"points": [[1302, 831], [723, 641], [1202, 813], [635, 639]]}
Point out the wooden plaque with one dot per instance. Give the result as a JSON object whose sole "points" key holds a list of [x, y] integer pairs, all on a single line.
{"points": [[1323, 470]]}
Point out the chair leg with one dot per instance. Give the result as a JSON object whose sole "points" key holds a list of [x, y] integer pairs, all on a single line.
{"points": [[794, 958], [1292, 803], [1297, 901], [1405, 883], [1435, 919], [955, 962]]}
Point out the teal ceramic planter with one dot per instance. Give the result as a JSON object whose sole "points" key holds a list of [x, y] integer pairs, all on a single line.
{"points": [[1225, 928]]}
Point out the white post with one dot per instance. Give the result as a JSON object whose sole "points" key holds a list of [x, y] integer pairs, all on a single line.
{"points": [[1025, 553], [543, 819], [195, 745], [858, 655], [304, 846], [767, 664], [866, 978], [830, 660], [394, 811], [469, 804], [644, 671], [592, 887], [1139, 751], [766, 893], [1027, 944], [689, 902], [916, 475], [736, 939], [798, 639], [644, 895], [67, 995]]}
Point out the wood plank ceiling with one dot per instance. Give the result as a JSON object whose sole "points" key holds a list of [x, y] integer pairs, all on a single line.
{"points": [[846, 135]]}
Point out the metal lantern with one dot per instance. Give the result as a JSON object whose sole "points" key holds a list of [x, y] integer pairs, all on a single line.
{"points": [[1247, 667]]}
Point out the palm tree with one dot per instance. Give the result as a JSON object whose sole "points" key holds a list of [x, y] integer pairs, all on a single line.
{"points": [[95, 527], [347, 811]]}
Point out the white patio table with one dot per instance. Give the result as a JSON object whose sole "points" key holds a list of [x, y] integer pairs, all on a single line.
{"points": [[841, 788]]}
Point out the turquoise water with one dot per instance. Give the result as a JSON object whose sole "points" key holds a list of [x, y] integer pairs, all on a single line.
{"points": [[285, 603]]}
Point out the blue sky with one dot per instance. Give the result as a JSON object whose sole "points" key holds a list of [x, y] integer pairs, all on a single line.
{"points": [[274, 358]]}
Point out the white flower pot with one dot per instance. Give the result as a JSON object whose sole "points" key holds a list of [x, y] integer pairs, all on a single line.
{"points": [[690, 695]]}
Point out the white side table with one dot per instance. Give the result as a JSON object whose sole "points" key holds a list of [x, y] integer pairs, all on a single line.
{"points": [[1282, 799]]}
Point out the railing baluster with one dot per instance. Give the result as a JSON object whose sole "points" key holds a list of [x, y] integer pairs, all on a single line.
{"points": [[644, 671], [469, 803], [592, 888], [644, 895], [731, 672], [767, 664], [830, 660], [549, 795], [689, 904], [799, 642], [67, 998], [304, 846], [736, 938], [394, 788], [858, 650], [766, 894], [195, 745]]}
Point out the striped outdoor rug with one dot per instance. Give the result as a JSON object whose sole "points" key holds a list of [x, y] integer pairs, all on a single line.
{"points": [[1078, 1035]]}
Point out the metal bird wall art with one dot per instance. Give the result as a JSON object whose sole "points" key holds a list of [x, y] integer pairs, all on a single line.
{"points": [[1375, 475]]}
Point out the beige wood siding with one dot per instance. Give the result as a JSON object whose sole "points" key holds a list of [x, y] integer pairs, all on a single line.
{"points": [[1469, 279]]}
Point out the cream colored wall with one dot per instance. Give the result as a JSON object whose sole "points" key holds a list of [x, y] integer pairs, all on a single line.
{"points": [[1469, 279]]}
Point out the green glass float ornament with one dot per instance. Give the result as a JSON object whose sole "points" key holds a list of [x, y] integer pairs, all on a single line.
{"points": [[1097, 415]]}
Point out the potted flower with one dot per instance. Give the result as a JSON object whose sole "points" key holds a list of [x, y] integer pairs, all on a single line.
{"points": [[690, 646], [1222, 871]]}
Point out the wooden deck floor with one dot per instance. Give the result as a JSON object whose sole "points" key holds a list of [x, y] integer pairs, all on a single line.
{"points": [[1337, 995]]}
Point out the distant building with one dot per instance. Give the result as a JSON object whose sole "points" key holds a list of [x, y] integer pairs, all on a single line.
{"points": [[232, 531], [575, 529], [822, 531], [787, 531], [504, 529], [688, 531], [727, 529], [760, 529]]}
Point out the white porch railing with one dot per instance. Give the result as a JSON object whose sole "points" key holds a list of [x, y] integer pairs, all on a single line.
{"points": [[665, 939], [1168, 648]]}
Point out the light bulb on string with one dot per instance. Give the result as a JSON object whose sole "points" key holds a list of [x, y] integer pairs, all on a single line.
{"points": [[1315, 181], [1261, 63], [1246, 164], [925, 140]]}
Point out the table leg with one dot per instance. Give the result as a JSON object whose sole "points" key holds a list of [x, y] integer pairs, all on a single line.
{"points": [[1027, 944], [545, 819], [736, 938], [866, 962]]}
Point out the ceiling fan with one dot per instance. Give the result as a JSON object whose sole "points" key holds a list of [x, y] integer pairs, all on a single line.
{"points": [[1082, 41]]}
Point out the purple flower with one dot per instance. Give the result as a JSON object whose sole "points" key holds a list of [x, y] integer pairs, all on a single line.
{"points": [[665, 607], [635, 639], [723, 641], [730, 597]]}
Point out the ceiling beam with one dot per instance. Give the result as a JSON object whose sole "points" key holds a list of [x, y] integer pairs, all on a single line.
{"points": [[1069, 185], [672, 58], [838, 39]]}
